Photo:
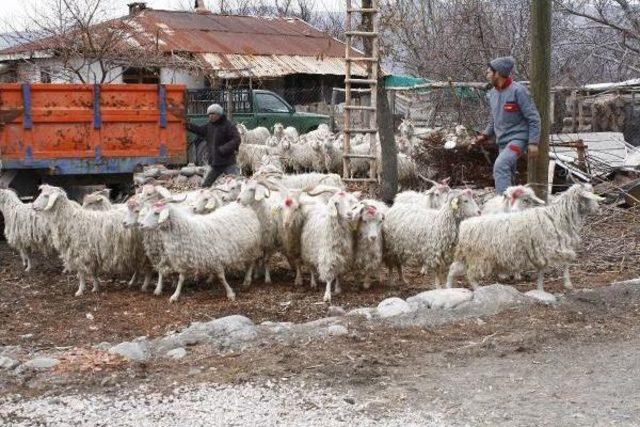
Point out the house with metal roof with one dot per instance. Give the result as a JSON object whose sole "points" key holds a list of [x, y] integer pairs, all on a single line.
{"points": [[286, 55]]}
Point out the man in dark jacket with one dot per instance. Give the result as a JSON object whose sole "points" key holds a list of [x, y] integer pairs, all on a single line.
{"points": [[223, 141]]}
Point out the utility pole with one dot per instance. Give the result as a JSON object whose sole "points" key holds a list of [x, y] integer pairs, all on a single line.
{"points": [[538, 168]]}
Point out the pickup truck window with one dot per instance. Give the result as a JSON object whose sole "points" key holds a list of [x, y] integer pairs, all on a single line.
{"points": [[268, 103]]}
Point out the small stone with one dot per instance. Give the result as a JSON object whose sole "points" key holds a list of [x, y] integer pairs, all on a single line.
{"points": [[194, 371], [41, 363], [391, 307], [337, 330], [89, 316], [366, 312], [542, 296], [8, 363], [335, 310], [350, 400], [177, 353], [134, 351], [480, 322], [104, 345], [26, 336]]}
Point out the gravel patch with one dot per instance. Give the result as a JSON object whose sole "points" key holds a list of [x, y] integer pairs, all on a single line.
{"points": [[269, 404]]}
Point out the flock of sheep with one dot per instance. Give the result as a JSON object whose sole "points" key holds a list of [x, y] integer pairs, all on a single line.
{"points": [[238, 224], [321, 151]]}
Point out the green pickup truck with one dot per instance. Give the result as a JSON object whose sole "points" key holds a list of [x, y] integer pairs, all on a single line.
{"points": [[253, 108]]}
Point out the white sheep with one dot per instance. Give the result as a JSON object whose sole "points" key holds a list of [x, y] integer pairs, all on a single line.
{"points": [[258, 135], [24, 230], [332, 151], [199, 245], [536, 238], [258, 195], [319, 133], [516, 198], [426, 237], [91, 242], [299, 181], [368, 217], [306, 156], [327, 240], [407, 170], [291, 133], [250, 156], [363, 166], [433, 198]]}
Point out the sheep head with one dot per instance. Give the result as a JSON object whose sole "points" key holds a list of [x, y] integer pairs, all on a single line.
{"points": [[462, 203], [48, 197], [368, 219], [341, 204], [521, 197]]}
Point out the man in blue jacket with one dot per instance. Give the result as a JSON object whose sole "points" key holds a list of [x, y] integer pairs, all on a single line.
{"points": [[515, 121]]}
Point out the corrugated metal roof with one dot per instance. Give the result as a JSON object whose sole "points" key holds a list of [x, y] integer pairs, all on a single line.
{"points": [[234, 66], [234, 44]]}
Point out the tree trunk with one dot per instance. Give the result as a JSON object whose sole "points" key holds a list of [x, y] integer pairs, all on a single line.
{"points": [[538, 169]]}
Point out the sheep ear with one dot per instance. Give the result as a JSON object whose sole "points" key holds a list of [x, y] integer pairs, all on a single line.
{"points": [[52, 200], [164, 215], [333, 209], [455, 203], [212, 203], [261, 192]]}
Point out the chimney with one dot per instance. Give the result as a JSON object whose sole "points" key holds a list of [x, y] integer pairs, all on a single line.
{"points": [[136, 7], [200, 7]]}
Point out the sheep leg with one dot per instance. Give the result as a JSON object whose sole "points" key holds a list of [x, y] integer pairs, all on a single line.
{"points": [[299, 281], [366, 284], [23, 258], [337, 289], [96, 284], [81, 284], [231, 296], [176, 294], [567, 278], [456, 269], [28, 269], [145, 284], [248, 276], [540, 283], [327, 292], [133, 279], [158, 289], [314, 284], [401, 278], [267, 274]]}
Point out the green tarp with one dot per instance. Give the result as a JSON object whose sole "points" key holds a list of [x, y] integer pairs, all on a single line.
{"points": [[399, 80]]}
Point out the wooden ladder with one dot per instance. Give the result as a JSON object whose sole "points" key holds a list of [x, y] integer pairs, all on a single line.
{"points": [[371, 79]]}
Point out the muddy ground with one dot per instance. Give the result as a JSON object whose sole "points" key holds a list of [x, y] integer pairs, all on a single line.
{"points": [[575, 364]]}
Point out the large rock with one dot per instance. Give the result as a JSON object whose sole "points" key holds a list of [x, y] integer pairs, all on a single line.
{"points": [[134, 351], [442, 298], [542, 296], [492, 299], [8, 363], [226, 331], [41, 363], [391, 307]]}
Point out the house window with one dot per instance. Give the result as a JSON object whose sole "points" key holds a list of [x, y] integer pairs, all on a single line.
{"points": [[141, 75]]}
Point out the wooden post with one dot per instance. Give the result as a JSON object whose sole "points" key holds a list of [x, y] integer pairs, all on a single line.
{"points": [[332, 115], [537, 169]]}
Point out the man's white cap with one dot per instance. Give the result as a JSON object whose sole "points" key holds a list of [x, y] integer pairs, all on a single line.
{"points": [[215, 109]]}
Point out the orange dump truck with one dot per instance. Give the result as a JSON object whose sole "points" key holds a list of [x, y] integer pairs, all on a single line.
{"points": [[84, 134]]}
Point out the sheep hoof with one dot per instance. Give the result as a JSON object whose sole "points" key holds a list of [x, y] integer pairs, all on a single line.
{"points": [[173, 298], [79, 293], [28, 269], [157, 292], [568, 285], [231, 296], [327, 297], [366, 285], [298, 281], [143, 288]]}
